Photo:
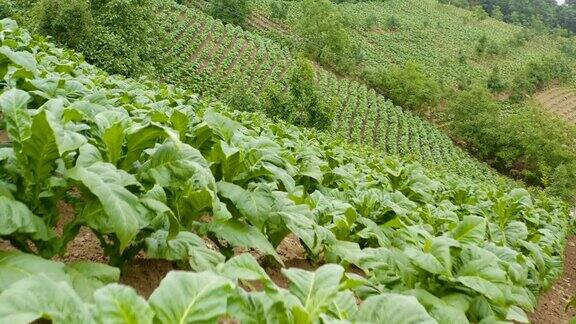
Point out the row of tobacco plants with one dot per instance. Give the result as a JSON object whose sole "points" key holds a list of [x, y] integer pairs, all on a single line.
{"points": [[152, 169]]}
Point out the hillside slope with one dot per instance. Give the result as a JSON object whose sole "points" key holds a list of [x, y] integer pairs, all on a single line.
{"points": [[442, 38], [222, 61], [153, 171]]}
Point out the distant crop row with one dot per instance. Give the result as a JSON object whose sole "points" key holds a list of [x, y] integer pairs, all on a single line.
{"points": [[220, 60], [153, 171]]}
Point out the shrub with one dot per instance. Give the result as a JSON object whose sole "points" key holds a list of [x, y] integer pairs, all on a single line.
{"points": [[393, 23], [303, 104], [537, 74], [495, 82], [325, 37], [408, 86], [67, 21], [516, 140], [231, 11], [6, 8], [279, 10]]}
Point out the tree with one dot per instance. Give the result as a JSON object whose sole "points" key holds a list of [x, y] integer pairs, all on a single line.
{"points": [[324, 36], [408, 86], [303, 104], [497, 13], [69, 22], [231, 11]]}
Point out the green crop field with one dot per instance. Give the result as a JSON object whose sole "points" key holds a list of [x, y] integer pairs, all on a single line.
{"points": [[167, 198], [219, 60], [429, 33], [150, 168]]}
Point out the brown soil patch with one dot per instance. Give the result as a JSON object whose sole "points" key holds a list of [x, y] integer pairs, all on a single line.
{"points": [[559, 101], [145, 275], [552, 303], [4, 137]]}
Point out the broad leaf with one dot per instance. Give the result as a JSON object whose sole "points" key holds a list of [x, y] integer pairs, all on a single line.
{"points": [[393, 308], [316, 290], [185, 297], [16, 218], [121, 304], [39, 297], [125, 215]]}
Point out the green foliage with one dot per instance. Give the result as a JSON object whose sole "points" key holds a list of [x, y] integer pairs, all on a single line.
{"points": [[303, 104], [324, 36], [537, 74], [231, 11], [116, 34], [495, 83], [393, 23], [496, 13], [124, 41], [152, 167], [513, 138], [408, 87], [69, 22], [279, 10], [6, 8], [487, 46]]}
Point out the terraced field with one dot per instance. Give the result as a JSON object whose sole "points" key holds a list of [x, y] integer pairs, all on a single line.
{"points": [[441, 38], [560, 101], [220, 60]]}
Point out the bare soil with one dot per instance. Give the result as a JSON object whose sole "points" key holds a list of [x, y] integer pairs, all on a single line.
{"points": [[552, 303], [559, 101], [4, 137]]}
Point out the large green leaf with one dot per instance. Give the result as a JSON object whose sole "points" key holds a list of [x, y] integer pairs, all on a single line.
{"points": [[13, 104], [470, 230], [185, 297], [316, 290], [16, 218], [244, 235], [87, 277], [256, 205], [15, 266], [22, 59], [121, 304], [483, 286], [173, 163], [184, 246], [41, 148], [125, 215], [245, 267], [140, 139], [393, 308], [39, 297], [113, 138]]}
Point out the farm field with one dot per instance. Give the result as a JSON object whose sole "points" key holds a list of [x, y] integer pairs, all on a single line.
{"points": [[439, 37], [260, 219], [218, 61], [560, 101]]}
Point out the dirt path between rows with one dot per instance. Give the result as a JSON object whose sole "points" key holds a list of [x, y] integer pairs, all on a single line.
{"points": [[552, 303]]}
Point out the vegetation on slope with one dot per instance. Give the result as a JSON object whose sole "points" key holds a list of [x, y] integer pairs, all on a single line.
{"points": [[419, 52], [151, 167]]}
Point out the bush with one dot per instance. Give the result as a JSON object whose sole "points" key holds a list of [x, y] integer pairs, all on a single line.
{"points": [[495, 82], [279, 10], [6, 8], [303, 104], [231, 11], [408, 86], [516, 140], [67, 21], [537, 74], [393, 23], [324, 36]]}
